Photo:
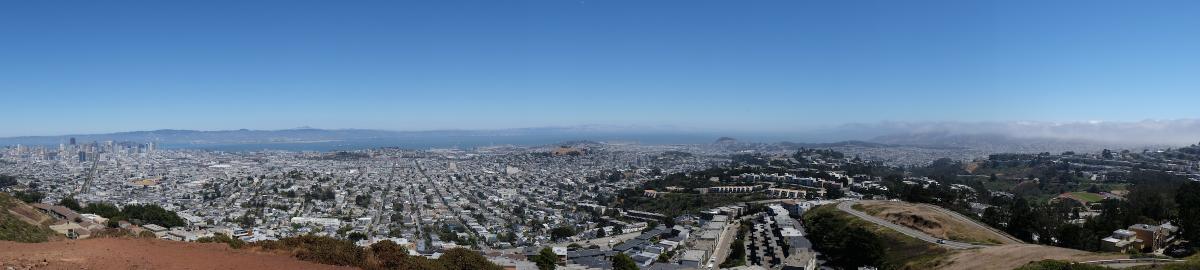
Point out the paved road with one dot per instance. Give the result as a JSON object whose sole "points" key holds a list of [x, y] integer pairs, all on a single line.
{"points": [[847, 206], [724, 243]]}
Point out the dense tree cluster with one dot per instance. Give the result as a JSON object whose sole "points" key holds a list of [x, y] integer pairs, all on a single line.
{"points": [[30, 196], [7, 181], [317, 193], [136, 213], [845, 247], [363, 200], [70, 203], [562, 233]]}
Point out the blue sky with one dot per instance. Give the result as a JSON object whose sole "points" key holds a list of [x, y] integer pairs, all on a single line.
{"points": [[103, 66]]}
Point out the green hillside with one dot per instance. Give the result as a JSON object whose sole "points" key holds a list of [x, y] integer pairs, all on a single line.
{"points": [[12, 228]]}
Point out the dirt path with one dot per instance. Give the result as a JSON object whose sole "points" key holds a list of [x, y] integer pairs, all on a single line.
{"points": [[1015, 255], [125, 253]]}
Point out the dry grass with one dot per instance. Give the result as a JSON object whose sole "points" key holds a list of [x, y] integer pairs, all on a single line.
{"points": [[132, 253], [1016, 255], [928, 220]]}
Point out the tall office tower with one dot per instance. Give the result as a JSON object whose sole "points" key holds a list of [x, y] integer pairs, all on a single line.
{"points": [[82, 156], [72, 140]]}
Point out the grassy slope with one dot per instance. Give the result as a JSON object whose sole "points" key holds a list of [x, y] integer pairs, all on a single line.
{"points": [[902, 252], [13, 229], [1059, 265], [1089, 197], [955, 229]]}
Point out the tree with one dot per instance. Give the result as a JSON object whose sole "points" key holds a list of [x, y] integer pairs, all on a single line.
{"points": [[7, 181], [599, 232], [847, 247], [356, 236], [30, 196], [650, 226], [102, 209], [992, 216], [546, 259], [561, 232], [1020, 221], [465, 259], [1188, 199], [623, 262], [363, 201], [152, 214], [69, 202], [665, 257]]}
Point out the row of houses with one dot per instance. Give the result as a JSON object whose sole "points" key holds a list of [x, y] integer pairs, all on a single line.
{"points": [[644, 249], [1140, 238]]}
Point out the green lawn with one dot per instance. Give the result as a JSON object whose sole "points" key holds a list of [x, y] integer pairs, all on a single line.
{"points": [[1089, 197]]}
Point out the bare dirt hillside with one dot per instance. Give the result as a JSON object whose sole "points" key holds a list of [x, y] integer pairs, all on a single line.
{"points": [[1015, 255], [929, 220], [130, 253]]}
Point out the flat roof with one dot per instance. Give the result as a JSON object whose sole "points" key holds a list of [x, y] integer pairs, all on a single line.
{"points": [[693, 255]]}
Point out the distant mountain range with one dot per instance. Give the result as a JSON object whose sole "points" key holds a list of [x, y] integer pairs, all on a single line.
{"points": [[990, 136], [328, 139], [1148, 132]]}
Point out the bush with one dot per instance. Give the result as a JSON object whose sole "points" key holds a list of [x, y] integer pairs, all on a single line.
{"points": [[222, 238], [30, 196], [318, 249], [464, 259], [382, 255], [1059, 265], [112, 232]]}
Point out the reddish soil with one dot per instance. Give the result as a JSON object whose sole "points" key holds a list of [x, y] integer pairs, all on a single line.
{"points": [[128, 253]]}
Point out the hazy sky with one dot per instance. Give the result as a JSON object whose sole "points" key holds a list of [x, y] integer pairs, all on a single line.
{"points": [[100, 66]]}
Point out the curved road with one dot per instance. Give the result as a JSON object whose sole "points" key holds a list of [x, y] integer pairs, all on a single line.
{"points": [[847, 206]]}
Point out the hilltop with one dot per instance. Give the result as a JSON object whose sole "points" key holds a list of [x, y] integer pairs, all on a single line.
{"points": [[141, 253], [26, 241], [934, 221], [828, 228]]}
